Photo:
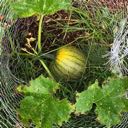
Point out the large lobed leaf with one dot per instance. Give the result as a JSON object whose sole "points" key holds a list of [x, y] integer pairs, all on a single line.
{"points": [[44, 112], [40, 85], [110, 100], [41, 106], [26, 8]]}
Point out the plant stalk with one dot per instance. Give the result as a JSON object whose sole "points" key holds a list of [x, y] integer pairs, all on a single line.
{"points": [[39, 32], [39, 46], [46, 68]]}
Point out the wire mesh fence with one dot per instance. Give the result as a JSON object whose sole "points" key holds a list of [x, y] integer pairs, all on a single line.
{"points": [[9, 98]]}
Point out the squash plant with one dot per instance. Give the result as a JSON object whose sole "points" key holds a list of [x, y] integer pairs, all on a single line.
{"points": [[43, 108], [110, 100], [40, 104], [39, 8]]}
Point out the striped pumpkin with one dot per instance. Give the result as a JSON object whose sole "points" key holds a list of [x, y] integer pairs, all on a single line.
{"points": [[69, 63]]}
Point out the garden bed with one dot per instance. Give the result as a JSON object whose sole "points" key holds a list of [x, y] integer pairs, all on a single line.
{"points": [[89, 27]]}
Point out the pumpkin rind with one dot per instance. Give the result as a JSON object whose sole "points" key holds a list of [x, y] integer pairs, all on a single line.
{"points": [[70, 63]]}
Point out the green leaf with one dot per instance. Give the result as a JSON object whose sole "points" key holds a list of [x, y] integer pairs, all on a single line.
{"points": [[110, 100], [87, 98], [26, 8], [40, 104], [44, 112], [40, 86], [30, 109]]}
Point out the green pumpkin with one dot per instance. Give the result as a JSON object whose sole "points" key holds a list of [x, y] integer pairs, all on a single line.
{"points": [[69, 63]]}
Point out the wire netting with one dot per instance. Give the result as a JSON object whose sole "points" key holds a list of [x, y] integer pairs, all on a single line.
{"points": [[9, 98]]}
